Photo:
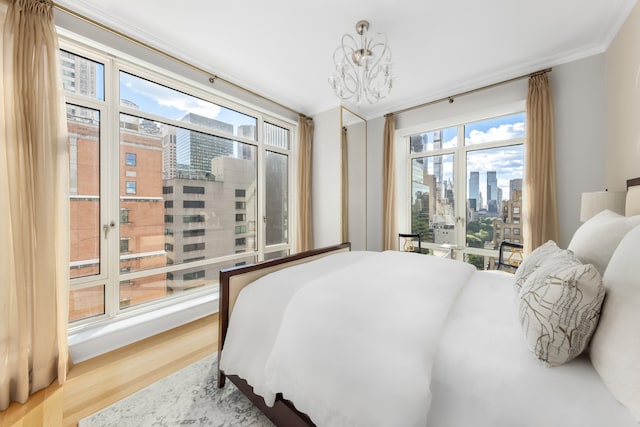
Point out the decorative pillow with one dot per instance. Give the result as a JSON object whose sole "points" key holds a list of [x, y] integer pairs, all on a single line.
{"points": [[559, 308], [615, 348], [596, 239], [532, 261]]}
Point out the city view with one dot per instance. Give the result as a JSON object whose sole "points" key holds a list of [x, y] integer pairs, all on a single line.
{"points": [[493, 186], [187, 195]]}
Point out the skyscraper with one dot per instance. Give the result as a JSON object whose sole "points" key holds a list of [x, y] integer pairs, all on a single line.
{"points": [[474, 190], [194, 150], [492, 192]]}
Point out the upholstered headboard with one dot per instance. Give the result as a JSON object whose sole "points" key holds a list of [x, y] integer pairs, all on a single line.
{"points": [[632, 204]]}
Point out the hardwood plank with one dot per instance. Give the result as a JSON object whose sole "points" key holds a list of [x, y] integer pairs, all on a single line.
{"points": [[101, 381]]}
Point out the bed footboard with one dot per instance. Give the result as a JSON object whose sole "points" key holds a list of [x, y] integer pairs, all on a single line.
{"points": [[234, 279]]}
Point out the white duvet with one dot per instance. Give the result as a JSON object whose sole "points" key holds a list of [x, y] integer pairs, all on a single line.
{"points": [[402, 339], [352, 346]]}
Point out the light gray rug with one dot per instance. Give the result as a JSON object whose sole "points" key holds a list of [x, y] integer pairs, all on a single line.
{"points": [[187, 397]]}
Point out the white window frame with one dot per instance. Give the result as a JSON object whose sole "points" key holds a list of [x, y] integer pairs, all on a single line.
{"points": [[93, 336], [404, 159]]}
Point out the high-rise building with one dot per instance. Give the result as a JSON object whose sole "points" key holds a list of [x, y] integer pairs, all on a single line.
{"points": [[195, 150], [492, 192], [474, 190]]}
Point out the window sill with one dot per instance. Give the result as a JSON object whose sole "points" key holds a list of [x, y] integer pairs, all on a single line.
{"points": [[96, 340]]}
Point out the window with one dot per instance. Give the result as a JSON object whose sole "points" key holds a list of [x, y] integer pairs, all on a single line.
{"points": [[192, 144], [130, 159], [189, 189], [124, 216], [186, 219], [241, 242], [192, 233], [198, 258], [193, 275], [241, 229], [193, 204], [463, 180], [131, 187], [193, 247]]}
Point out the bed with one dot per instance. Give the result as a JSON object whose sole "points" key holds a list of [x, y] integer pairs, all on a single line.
{"points": [[335, 337]]}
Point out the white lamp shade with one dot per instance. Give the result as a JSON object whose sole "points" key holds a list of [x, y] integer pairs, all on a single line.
{"points": [[597, 201]]}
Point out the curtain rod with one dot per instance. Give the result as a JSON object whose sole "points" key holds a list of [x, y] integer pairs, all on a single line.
{"points": [[469, 92], [212, 77]]}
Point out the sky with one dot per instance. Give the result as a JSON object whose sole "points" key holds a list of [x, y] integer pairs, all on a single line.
{"points": [[507, 161], [157, 99]]}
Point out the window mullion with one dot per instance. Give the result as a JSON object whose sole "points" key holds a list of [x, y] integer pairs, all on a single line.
{"points": [[110, 182], [262, 200]]}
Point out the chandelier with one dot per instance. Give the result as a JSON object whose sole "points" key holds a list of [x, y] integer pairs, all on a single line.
{"points": [[363, 67]]}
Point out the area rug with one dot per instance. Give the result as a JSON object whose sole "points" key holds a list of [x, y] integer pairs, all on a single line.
{"points": [[187, 397]]}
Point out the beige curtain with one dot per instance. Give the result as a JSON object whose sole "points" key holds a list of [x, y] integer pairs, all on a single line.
{"points": [[541, 223], [34, 204], [345, 186], [305, 157], [389, 223]]}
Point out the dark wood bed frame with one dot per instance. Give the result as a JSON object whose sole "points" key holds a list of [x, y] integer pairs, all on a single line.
{"points": [[283, 413], [232, 280]]}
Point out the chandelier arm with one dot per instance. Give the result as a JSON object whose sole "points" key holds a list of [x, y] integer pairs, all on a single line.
{"points": [[362, 69]]}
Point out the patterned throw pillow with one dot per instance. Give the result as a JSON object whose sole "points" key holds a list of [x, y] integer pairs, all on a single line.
{"points": [[532, 261], [559, 308]]}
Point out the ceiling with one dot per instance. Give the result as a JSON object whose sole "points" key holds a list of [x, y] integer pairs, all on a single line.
{"points": [[282, 49]]}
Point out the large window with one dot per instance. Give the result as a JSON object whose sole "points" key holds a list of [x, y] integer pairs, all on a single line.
{"points": [[165, 175], [466, 187]]}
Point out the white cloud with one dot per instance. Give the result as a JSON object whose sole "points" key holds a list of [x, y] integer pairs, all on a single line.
{"points": [[501, 133], [169, 98]]}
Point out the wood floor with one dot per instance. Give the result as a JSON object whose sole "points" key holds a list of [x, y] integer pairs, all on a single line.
{"points": [[99, 382]]}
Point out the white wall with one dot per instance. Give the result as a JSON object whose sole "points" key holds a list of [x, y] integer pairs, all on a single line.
{"points": [[579, 94], [326, 177], [578, 91], [623, 104]]}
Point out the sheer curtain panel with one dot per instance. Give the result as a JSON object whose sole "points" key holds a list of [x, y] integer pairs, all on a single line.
{"points": [[541, 224], [389, 223], [305, 157], [34, 204]]}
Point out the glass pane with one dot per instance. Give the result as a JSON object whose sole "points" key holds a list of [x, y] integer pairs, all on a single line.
{"points": [[276, 136], [83, 125], [157, 286], [494, 196], [434, 140], [86, 302], [277, 198], [277, 254], [82, 76], [495, 129], [432, 199], [154, 98], [195, 196]]}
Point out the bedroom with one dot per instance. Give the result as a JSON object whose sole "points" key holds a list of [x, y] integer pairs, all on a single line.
{"points": [[585, 92]]}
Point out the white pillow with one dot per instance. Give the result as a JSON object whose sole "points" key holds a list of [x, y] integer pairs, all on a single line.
{"points": [[615, 349], [532, 261], [596, 239], [559, 308]]}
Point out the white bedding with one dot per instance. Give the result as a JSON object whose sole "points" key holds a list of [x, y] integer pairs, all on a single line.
{"points": [[484, 376], [351, 339]]}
